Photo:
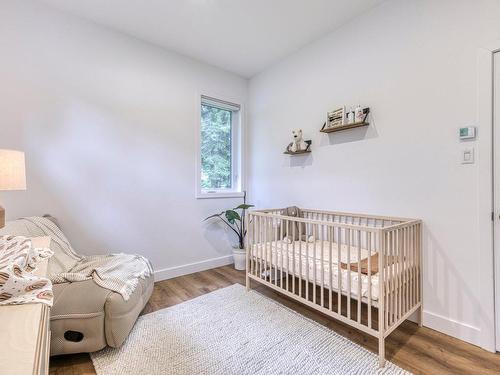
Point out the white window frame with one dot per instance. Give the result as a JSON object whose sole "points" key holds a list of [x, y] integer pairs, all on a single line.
{"points": [[237, 144]]}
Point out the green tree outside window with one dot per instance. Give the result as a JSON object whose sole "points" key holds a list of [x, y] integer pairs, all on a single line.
{"points": [[216, 158]]}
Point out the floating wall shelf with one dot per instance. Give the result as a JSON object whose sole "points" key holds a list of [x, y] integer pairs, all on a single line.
{"points": [[301, 152], [339, 128], [297, 152]]}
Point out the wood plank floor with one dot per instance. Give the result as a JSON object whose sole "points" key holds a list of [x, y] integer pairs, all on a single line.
{"points": [[419, 350]]}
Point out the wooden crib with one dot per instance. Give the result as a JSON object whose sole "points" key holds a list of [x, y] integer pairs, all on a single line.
{"points": [[363, 270]]}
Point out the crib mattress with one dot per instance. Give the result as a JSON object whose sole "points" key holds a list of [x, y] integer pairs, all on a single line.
{"points": [[307, 260]]}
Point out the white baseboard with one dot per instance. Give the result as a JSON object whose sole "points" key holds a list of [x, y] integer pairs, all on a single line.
{"points": [[460, 330], [186, 269]]}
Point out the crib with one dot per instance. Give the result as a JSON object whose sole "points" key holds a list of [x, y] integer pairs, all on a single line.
{"points": [[363, 270]]}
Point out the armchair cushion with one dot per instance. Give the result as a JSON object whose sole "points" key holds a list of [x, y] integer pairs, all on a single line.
{"points": [[103, 317]]}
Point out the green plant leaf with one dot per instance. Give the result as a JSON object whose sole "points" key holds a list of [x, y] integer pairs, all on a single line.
{"points": [[243, 206], [212, 216], [232, 216]]}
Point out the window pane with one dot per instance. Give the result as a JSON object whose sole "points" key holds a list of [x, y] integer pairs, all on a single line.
{"points": [[216, 148]]}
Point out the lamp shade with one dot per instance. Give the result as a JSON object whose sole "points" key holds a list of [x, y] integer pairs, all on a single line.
{"points": [[12, 170]]}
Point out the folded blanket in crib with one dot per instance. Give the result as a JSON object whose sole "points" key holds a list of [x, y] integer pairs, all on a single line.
{"points": [[18, 284], [117, 272], [364, 264]]}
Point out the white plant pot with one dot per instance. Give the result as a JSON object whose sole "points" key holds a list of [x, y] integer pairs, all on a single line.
{"points": [[240, 259]]}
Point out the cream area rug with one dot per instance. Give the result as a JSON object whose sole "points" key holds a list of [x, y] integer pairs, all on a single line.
{"points": [[232, 331]]}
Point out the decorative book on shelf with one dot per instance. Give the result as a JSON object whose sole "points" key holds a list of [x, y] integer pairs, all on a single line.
{"points": [[300, 152], [331, 127]]}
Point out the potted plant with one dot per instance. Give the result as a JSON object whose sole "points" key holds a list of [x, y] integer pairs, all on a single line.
{"points": [[236, 222]]}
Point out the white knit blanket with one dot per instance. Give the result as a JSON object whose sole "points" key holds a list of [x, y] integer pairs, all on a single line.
{"points": [[117, 272]]}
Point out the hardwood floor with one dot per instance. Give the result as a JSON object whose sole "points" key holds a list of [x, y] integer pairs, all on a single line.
{"points": [[419, 350]]}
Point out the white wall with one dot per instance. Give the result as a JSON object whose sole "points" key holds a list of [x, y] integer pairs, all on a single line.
{"points": [[108, 126], [414, 64]]}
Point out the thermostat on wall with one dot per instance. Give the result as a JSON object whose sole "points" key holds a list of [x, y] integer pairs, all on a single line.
{"points": [[468, 132]]}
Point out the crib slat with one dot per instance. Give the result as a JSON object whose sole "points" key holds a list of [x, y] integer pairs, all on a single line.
{"points": [[404, 269], [408, 269], [369, 248], [393, 283], [396, 275], [250, 243], [300, 259], [412, 264], [285, 249], [389, 269], [270, 239], [339, 271], [269, 247], [348, 238], [281, 252], [314, 262], [386, 280], [266, 219], [306, 284], [274, 253], [402, 273], [255, 243], [259, 247], [360, 297], [267, 265], [417, 266], [410, 258], [330, 267], [322, 238], [270, 251], [399, 271]]}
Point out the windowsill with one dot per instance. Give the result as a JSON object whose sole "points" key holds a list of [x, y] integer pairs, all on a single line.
{"points": [[233, 194]]}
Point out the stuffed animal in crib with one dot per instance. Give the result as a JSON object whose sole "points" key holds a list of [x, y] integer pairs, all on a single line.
{"points": [[298, 143], [294, 230]]}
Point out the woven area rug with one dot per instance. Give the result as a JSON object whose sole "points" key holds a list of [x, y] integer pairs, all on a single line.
{"points": [[230, 331]]}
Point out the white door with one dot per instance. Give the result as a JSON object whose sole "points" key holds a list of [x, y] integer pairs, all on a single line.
{"points": [[496, 188]]}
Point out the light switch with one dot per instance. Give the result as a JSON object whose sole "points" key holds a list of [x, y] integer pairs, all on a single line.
{"points": [[468, 156]]}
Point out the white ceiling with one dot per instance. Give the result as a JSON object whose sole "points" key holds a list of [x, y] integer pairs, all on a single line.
{"points": [[241, 36]]}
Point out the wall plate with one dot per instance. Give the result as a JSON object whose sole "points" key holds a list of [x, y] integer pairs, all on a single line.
{"points": [[468, 156], [467, 132]]}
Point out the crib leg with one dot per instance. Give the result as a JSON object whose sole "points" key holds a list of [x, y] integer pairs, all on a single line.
{"points": [[247, 269], [421, 316], [381, 351]]}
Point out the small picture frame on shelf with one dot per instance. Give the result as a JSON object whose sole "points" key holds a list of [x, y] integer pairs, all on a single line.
{"points": [[335, 118]]}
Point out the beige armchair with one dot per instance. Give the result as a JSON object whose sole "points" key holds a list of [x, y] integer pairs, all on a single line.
{"points": [[86, 317]]}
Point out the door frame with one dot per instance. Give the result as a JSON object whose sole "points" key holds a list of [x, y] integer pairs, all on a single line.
{"points": [[487, 217]]}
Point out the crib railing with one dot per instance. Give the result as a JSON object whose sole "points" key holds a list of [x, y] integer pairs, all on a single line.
{"points": [[375, 282]]}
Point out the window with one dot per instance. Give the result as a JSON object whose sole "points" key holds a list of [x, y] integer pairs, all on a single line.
{"points": [[219, 160]]}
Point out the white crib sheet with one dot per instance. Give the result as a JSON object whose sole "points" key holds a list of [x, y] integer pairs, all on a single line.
{"points": [[308, 260]]}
